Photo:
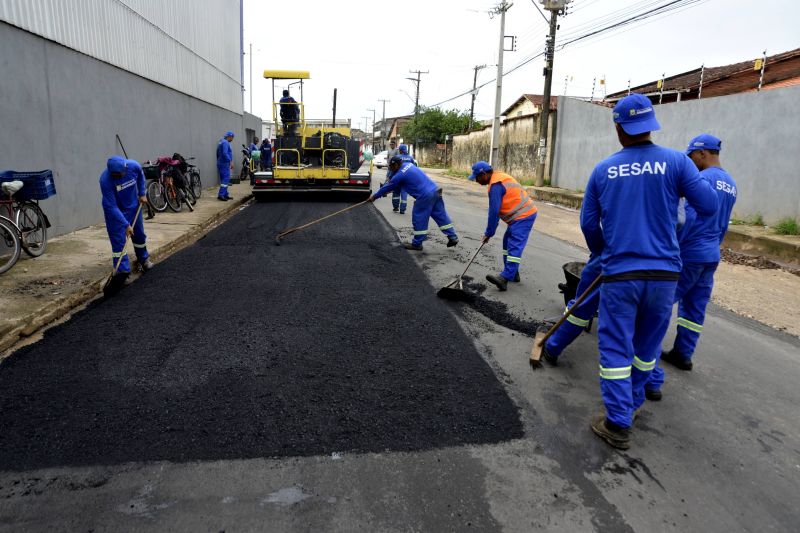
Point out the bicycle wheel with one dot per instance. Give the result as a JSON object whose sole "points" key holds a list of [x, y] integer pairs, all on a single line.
{"points": [[195, 184], [9, 246], [156, 196], [173, 197], [32, 226]]}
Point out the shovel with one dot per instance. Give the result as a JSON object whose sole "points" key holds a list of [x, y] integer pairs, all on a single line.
{"points": [[455, 291], [541, 337], [279, 236], [107, 289]]}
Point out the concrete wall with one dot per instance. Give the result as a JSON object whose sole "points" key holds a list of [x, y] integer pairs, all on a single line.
{"points": [[759, 132], [61, 109], [518, 136]]}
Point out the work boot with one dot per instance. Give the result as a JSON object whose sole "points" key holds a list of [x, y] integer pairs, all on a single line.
{"points": [[653, 395], [412, 246], [516, 279], [229, 197], [402, 212], [452, 241], [222, 198], [611, 433], [498, 281], [677, 359], [147, 265], [551, 359], [394, 209]]}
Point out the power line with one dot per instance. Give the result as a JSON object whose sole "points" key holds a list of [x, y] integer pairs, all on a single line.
{"points": [[672, 5]]}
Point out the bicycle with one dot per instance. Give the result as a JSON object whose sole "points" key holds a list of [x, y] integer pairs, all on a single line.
{"points": [[19, 197], [167, 185], [9, 245]]}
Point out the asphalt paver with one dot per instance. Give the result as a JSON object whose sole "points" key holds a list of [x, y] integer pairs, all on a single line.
{"points": [[236, 348]]}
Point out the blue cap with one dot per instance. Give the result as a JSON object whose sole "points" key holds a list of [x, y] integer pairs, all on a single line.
{"points": [[228, 134], [636, 115], [706, 141], [116, 165], [479, 168], [403, 149]]}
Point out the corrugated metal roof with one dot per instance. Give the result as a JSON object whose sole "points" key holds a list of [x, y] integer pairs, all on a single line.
{"points": [[192, 46], [690, 80]]}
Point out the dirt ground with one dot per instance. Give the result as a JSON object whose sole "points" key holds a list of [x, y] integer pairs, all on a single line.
{"points": [[751, 287]]}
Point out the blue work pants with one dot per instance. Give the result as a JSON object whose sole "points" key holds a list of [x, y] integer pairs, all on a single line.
{"points": [[582, 314], [514, 240], [634, 316], [224, 180], [399, 200], [693, 293], [426, 207], [117, 237]]}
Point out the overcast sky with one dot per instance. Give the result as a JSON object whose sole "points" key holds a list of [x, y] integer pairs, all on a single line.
{"points": [[367, 48]]}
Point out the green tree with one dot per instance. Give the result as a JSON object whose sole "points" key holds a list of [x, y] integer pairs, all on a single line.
{"points": [[432, 124]]}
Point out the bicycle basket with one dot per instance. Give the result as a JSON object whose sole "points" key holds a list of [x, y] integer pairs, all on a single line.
{"points": [[151, 172], [36, 185]]}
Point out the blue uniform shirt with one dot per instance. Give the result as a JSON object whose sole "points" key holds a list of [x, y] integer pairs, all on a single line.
{"points": [[121, 196], [702, 235], [629, 212], [496, 193], [406, 159], [224, 153], [414, 181]]}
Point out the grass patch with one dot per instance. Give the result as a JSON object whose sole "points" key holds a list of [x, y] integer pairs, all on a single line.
{"points": [[457, 173], [757, 220], [787, 226]]}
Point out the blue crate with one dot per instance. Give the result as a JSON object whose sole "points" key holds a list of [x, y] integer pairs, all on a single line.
{"points": [[36, 185]]}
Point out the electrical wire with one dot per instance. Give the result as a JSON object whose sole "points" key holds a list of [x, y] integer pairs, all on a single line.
{"points": [[670, 6]]}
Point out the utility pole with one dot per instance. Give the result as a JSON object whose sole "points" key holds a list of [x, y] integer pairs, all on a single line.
{"points": [[383, 125], [498, 95], [416, 80], [554, 7], [474, 93], [366, 124], [373, 130]]}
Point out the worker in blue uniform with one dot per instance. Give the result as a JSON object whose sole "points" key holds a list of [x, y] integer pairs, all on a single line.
{"points": [[400, 196], [122, 185], [428, 201], [581, 315], [290, 114], [629, 218], [224, 165], [266, 154], [509, 201], [700, 239]]}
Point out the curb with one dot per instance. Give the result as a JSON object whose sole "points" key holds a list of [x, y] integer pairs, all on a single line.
{"points": [[54, 310], [735, 239]]}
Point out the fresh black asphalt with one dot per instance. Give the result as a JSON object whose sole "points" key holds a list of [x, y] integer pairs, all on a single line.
{"points": [[237, 348]]}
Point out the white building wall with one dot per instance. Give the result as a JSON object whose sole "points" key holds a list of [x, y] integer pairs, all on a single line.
{"points": [[182, 44]]}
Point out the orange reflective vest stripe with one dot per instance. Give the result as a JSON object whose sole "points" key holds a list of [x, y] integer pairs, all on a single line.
{"points": [[516, 202]]}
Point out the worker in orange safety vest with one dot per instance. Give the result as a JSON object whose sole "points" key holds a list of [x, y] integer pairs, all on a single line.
{"points": [[508, 201]]}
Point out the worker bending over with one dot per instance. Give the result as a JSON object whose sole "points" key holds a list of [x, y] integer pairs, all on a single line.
{"points": [[629, 217], [580, 316], [400, 196], [509, 201], [428, 201], [700, 239], [122, 185]]}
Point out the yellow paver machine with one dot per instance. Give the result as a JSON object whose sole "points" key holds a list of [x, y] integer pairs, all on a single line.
{"points": [[311, 155]]}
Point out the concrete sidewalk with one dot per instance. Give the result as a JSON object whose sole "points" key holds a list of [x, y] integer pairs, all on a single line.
{"points": [[73, 269]]}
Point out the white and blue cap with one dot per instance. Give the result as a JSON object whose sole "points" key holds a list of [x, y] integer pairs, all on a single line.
{"points": [[704, 141], [481, 167], [636, 115]]}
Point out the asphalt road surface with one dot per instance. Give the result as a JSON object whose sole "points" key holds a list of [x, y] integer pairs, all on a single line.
{"points": [[321, 386]]}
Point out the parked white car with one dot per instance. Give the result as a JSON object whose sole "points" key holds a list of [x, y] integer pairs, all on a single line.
{"points": [[380, 159]]}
